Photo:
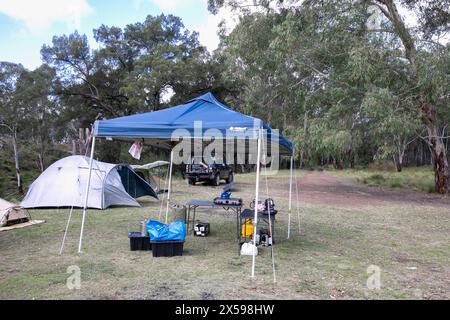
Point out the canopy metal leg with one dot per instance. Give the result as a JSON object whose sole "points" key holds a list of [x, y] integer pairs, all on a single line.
{"points": [[87, 194], [298, 203], [255, 220], [290, 197], [170, 185]]}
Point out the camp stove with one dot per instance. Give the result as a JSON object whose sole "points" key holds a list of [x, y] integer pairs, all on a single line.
{"points": [[226, 200]]}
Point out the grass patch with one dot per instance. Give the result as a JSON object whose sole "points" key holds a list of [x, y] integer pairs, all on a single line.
{"points": [[328, 261], [421, 179]]}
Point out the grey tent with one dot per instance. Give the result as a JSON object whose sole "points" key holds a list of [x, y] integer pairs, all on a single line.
{"points": [[63, 184]]}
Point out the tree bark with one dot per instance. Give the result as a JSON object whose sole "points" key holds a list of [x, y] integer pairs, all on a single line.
{"points": [[437, 147], [16, 162], [41, 162], [398, 161]]}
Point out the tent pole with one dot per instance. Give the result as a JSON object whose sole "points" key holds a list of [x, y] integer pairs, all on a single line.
{"points": [[86, 197], [290, 196], [170, 185], [255, 220]]}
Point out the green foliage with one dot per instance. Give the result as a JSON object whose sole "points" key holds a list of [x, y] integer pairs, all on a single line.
{"points": [[344, 92]]}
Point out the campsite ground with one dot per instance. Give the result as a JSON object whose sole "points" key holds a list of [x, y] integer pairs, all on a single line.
{"points": [[346, 228]]}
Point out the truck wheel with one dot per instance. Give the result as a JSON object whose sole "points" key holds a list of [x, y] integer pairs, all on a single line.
{"points": [[216, 180], [230, 178], [191, 182]]}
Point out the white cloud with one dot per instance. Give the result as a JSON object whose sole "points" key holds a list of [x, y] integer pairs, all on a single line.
{"points": [[170, 4], [39, 15], [208, 30]]}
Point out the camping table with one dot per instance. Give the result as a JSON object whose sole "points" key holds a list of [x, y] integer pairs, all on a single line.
{"points": [[194, 204]]}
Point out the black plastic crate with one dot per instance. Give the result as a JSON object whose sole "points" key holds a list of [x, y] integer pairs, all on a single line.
{"points": [[139, 242], [167, 248]]}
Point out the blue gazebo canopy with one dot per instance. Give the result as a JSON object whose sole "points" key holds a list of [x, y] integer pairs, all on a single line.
{"points": [[159, 127]]}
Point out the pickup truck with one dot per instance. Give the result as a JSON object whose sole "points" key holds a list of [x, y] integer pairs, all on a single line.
{"points": [[210, 173]]}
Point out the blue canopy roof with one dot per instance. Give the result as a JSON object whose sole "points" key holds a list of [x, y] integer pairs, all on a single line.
{"points": [[199, 116]]}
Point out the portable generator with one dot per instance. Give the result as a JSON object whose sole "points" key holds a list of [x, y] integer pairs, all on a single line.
{"points": [[201, 229]]}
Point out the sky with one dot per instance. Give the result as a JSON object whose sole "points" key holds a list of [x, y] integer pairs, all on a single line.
{"points": [[25, 25]]}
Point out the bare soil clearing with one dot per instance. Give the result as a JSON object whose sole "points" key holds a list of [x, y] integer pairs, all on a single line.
{"points": [[326, 189]]}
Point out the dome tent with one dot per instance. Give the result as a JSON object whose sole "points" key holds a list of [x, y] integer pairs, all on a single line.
{"points": [[63, 184], [11, 213]]}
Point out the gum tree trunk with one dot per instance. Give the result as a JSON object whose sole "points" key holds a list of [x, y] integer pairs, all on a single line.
{"points": [[16, 162], [437, 148]]}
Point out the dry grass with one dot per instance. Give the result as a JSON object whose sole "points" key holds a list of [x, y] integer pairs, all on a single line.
{"points": [[410, 178], [328, 261]]}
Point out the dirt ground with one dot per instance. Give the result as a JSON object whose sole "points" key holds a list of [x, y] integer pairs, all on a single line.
{"points": [[346, 229], [324, 188]]}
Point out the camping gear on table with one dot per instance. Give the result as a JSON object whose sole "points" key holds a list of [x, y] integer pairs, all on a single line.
{"points": [[225, 195], [225, 199], [228, 202], [267, 207], [247, 229], [260, 205], [138, 242], [249, 249], [63, 184], [201, 229], [11, 214]]}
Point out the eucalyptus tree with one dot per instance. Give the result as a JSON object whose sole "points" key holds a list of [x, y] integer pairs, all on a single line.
{"points": [[349, 54], [86, 80], [416, 45], [11, 114], [34, 94], [169, 59]]}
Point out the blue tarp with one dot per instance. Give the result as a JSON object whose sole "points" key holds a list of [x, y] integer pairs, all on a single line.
{"points": [[158, 231], [212, 114]]}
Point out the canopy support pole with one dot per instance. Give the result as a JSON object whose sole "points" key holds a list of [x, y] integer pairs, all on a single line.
{"points": [[298, 203], [86, 197], [290, 196], [170, 185], [269, 212], [255, 220]]}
